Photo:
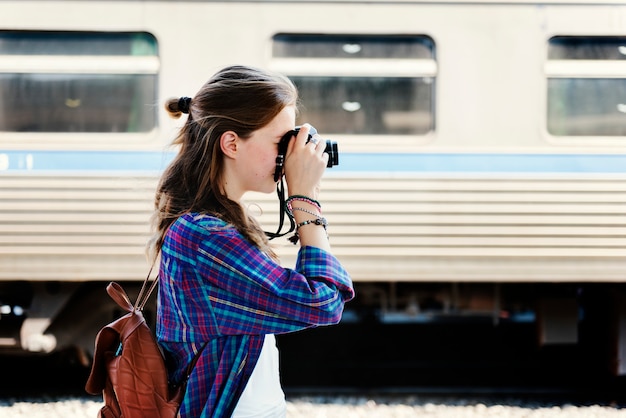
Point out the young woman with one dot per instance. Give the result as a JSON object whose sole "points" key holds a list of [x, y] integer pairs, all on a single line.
{"points": [[222, 289]]}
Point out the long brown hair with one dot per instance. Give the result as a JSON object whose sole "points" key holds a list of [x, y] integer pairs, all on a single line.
{"points": [[237, 98]]}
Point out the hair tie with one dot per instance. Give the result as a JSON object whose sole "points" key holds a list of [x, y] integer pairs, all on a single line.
{"points": [[183, 104]]}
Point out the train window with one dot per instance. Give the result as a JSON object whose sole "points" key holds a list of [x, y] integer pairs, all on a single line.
{"points": [[354, 47], [389, 92], [358, 105], [78, 82], [587, 48], [586, 86]]}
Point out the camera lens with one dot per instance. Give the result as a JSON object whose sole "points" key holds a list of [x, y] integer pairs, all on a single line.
{"points": [[333, 153]]}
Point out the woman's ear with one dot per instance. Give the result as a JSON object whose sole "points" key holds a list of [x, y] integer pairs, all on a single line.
{"points": [[228, 143]]}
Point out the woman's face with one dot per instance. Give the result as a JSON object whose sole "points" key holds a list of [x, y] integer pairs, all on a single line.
{"points": [[257, 154]]}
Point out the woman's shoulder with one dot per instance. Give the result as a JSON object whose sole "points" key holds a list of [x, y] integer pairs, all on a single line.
{"points": [[202, 222]]}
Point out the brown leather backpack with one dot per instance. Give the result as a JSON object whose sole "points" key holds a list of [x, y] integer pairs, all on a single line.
{"points": [[129, 368]]}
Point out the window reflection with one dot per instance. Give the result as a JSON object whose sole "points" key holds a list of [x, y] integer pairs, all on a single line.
{"points": [[587, 107], [352, 105], [77, 103], [59, 94], [586, 86], [587, 48], [389, 91], [76, 43], [353, 46]]}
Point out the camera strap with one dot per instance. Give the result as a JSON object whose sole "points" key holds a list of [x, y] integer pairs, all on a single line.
{"points": [[280, 191]]}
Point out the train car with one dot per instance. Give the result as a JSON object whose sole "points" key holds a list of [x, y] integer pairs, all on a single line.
{"points": [[482, 153]]}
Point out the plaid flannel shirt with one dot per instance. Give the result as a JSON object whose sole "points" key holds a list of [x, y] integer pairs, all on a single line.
{"points": [[218, 288]]}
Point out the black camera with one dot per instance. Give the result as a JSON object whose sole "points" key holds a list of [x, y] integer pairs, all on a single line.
{"points": [[331, 149]]}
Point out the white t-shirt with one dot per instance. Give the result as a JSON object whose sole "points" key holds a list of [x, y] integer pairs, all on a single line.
{"points": [[263, 396]]}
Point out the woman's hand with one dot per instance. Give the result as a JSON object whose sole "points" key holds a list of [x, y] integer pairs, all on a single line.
{"points": [[305, 163], [304, 166]]}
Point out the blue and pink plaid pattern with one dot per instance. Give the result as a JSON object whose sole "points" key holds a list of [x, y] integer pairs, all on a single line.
{"points": [[216, 286]]}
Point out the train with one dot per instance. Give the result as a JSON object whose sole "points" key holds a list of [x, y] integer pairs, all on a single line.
{"points": [[482, 154]]}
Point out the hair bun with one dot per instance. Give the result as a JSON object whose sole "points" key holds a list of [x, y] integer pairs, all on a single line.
{"points": [[183, 104]]}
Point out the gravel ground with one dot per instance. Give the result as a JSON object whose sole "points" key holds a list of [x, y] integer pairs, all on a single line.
{"points": [[343, 407]]}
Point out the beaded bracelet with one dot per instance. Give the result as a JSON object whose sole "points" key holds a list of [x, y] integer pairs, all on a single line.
{"points": [[310, 212], [305, 199], [300, 198], [318, 221]]}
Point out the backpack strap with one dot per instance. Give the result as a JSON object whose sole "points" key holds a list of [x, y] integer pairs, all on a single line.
{"points": [[147, 288]]}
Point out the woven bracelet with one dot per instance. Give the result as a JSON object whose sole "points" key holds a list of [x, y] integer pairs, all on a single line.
{"points": [[301, 198], [310, 212], [318, 221]]}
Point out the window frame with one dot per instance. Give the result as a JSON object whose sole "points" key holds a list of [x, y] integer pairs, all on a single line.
{"points": [[415, 68], [577, 68], [83, 64]]}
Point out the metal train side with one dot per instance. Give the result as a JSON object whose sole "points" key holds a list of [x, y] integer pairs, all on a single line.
{"points": [[481, 210]]}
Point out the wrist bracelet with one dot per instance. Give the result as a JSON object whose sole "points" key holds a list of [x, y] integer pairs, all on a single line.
{"points": [[304, 198], [301, 198], [318, 221], [310, 212]]}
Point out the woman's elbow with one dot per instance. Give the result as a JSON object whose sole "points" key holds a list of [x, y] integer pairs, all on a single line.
{"points": [[331, 313]]}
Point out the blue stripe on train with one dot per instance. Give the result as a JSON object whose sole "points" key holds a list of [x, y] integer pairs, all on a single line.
{"points": [[144, 161]]}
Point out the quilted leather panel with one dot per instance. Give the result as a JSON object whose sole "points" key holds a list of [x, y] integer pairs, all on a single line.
{"points": [[132, 376]]}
